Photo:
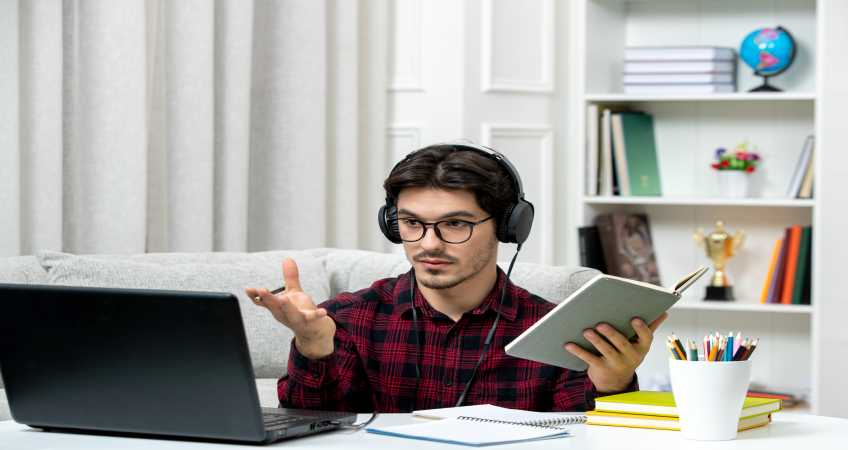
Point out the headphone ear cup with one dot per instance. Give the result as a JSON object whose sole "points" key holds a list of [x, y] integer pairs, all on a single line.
{"points": [[503, 232], [387, 219], [519, 222]]}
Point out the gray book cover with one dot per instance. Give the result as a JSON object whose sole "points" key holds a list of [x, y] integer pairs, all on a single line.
{"points": [[605, 298]]}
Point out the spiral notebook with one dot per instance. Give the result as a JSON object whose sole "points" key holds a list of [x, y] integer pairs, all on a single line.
{"points": [[481, 425]]}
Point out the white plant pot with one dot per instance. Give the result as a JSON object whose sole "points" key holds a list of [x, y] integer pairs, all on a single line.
{"points": [[733, 183]]}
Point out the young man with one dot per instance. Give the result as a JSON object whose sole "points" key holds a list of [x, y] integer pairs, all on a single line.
{"points": [[418, 341]]}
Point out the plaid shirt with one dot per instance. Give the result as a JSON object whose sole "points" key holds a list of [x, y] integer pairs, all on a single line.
{"points": [[373, 365]]}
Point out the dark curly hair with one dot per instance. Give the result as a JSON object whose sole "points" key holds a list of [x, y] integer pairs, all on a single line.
{"points": [[445, 166]]}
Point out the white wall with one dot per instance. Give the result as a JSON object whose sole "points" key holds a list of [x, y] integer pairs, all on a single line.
{"points": [[493, 71]]}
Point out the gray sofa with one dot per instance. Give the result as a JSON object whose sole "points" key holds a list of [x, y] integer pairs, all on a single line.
{"points": [[324, 273]]}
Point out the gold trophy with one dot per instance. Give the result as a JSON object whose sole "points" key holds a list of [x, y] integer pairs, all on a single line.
{"points": [[720, 247]]}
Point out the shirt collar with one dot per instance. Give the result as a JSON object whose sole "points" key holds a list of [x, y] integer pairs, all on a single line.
{"points": [[508, 310]]}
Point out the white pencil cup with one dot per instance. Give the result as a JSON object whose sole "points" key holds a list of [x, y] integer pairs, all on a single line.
{"points": [[709, 397]]}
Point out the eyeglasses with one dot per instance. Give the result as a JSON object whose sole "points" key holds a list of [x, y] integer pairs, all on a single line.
{"points": [[453, 231]]}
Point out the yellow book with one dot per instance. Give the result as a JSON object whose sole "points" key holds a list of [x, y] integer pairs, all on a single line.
{"points": [[657, 403], [774, 254], [661, 422]]}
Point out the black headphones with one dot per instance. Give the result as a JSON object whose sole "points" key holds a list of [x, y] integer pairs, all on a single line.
{"points": [[513, 227]]}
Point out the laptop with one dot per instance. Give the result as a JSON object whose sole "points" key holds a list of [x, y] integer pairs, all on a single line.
{"points": [[150, 362]]}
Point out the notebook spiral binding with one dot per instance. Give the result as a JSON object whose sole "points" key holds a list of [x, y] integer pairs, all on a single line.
{"points": [[547, 423]]}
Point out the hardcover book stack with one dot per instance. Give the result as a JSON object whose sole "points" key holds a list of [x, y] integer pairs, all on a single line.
{"points": [[788, 278], [679, 70], [657, 410]]}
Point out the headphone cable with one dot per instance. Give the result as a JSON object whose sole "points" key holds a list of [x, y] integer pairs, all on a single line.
{"points": [[491, 331], [487, 343]]}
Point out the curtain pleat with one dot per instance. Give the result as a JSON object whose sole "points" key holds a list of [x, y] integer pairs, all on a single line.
{"points": [[105, 157], [233, 62], [10, 165], [193, 125], [342, 132], [41, 140], [189, 112], [288, 174], [372, 119]]}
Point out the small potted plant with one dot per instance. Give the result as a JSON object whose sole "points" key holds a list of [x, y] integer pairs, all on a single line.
{"points": [[734, 168]]}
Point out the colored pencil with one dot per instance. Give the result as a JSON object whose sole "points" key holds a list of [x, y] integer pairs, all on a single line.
{"points": [[752, 348], [728, 352]]}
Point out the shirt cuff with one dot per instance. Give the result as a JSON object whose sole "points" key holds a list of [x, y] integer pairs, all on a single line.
{"points": [[633, 386], [312, 372]]}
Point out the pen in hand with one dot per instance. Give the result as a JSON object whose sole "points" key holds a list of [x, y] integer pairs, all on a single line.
{"points": [[257, 299]]}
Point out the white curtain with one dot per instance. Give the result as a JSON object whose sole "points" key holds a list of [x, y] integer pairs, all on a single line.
{"points": [[191, 125]]}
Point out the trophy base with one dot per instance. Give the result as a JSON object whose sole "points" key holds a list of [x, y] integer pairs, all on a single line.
{"points": [[719, 293]]}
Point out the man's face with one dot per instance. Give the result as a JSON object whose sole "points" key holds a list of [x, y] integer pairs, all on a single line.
{"points": [[438, 264]]}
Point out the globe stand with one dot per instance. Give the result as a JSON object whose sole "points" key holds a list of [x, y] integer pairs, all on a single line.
{"points": [[765, 87]]}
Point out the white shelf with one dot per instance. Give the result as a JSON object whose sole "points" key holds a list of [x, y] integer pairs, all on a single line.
{"points": [[730, 97], [741, 307], [696, 201], [688, 128]]}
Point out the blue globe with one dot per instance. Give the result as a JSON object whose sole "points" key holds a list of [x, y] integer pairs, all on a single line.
{"points": [[769, 51]]}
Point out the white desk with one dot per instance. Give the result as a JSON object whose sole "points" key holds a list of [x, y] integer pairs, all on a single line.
{"points": [[787, 431]]}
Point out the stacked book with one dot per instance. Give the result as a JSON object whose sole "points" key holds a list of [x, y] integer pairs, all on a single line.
{"points": [[649, 409], [788, 277], [677, 70]]}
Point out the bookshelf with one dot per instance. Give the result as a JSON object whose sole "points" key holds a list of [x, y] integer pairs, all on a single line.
{"points": [[688, 128]]}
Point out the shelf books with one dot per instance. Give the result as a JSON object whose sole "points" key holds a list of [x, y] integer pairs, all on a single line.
{"points": [[591, 251], [788, 278], [621, 154], [679, 70], [801, 185], [627, 246]]}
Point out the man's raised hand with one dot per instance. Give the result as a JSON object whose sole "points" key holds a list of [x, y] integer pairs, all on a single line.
{"points": [[312, 328]]}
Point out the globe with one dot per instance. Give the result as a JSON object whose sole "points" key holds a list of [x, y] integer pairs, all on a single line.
{"points": [[769, 51]]}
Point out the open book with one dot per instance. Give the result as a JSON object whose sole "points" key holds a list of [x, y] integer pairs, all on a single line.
{"points": [[605, 298], [481, 425]]}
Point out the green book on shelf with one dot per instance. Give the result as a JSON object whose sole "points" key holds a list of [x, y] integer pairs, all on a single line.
{"points": [[803, 265], [640, 149], [658, 403]]}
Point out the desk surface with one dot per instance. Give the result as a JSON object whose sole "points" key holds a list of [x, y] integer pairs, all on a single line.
{"points": [[787, 431]]}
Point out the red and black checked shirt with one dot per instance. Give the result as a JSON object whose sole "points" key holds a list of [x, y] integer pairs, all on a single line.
{"points": [[373, 366]]}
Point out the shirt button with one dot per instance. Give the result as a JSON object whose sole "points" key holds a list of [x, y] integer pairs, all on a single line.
{"points": [[448, 382]]}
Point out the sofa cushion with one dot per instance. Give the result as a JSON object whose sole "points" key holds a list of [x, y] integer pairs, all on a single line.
{"points": [[21, 269], [269, 341], [552, 283], [352, 270]]}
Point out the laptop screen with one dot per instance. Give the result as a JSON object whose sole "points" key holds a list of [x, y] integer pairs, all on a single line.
{"points": [[148, 361]]}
